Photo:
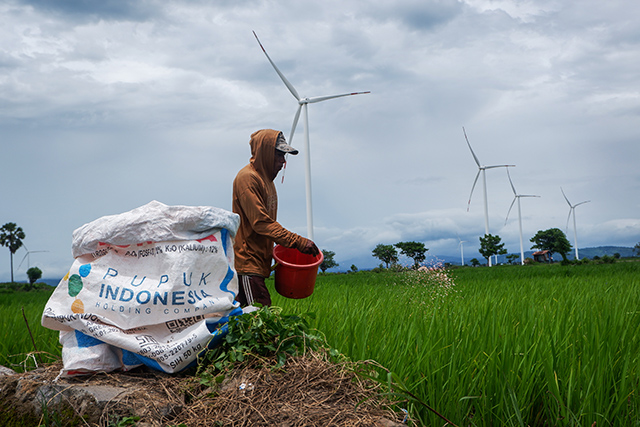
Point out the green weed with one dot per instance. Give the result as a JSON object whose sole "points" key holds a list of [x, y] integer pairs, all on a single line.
{"points": [[265, 334]]}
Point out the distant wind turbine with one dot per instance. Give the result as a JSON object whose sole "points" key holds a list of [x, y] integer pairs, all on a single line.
{"points": [[303, 102], [461, 250], [27, 256], [517, 197], [572, 210], [482, 169]]}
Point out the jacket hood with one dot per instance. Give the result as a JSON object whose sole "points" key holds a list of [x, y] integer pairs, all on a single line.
{"points": [[263, 150]]}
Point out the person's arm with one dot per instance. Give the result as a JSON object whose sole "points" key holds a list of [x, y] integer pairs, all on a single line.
{"points": [[254, 207]]}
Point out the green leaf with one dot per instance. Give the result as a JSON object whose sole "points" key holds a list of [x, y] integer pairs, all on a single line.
{"points": [[265, 333]]}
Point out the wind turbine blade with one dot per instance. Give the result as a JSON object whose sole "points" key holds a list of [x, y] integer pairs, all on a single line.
{"points": [[582, 203], [500, 166], [512, 187], [527, 195], [23, 258], [472, 153], [565, 197], [472, 188], [286, 82], [324, 98], [509, 211], [295, 123], [568, 218]]}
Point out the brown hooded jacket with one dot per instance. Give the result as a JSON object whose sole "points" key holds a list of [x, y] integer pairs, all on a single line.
{"points": [[256, 201]]}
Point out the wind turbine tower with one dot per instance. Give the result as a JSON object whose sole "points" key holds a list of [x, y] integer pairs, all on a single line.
{"points": [[572, 210], [482, 170], [303, 102], [461, 251], [517, 197]]}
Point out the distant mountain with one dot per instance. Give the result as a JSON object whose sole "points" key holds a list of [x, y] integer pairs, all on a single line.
{"points": [[50, 282], [600, 251], [604, 250]]}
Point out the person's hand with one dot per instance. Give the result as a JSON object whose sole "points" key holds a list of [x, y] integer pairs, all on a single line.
{"points": [[310, 248]]}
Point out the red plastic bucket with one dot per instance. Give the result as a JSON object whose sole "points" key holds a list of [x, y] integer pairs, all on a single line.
{"points": [[296, 272]]}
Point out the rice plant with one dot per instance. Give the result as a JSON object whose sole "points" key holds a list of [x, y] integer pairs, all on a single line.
{"points": [[534, 345], [23, 341]]}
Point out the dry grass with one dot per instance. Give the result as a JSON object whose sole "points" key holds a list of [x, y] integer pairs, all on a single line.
{"points": [[307, 391]]}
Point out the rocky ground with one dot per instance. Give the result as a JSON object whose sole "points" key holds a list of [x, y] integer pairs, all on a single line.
{"points": [[307, 391]]}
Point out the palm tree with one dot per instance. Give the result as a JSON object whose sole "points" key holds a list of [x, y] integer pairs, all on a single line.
{"points": [[11, 236]]}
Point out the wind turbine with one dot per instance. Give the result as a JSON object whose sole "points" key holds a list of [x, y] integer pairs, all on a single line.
{"points": [[482, 169], [572, 209], [27, 257], [517, 197], [461, 251], [303, 102]]}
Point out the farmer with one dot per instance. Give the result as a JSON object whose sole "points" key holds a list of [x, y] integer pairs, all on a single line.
{"points": [[256, 201]]}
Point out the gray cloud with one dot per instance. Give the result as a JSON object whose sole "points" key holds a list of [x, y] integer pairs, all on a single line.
{"points": [[102, 10], [104, 107]]}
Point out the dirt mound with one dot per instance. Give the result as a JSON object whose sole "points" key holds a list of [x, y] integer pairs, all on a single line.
{"points": [[307, 391]]}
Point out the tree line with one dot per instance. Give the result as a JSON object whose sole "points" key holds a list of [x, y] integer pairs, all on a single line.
{"points": [[553, 240], [388, 254]]}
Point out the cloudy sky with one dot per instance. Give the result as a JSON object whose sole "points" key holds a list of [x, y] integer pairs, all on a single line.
{"points": [[105, 106]]}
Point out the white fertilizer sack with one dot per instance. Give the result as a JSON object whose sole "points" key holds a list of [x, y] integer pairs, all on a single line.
{"points": [[151, 286]]}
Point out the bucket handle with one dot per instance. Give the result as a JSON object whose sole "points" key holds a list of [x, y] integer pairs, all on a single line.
{"points": [[274, 266]]}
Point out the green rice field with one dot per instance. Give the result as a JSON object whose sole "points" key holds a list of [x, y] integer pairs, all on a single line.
{"points": [[538, 345], [503, 346]]}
